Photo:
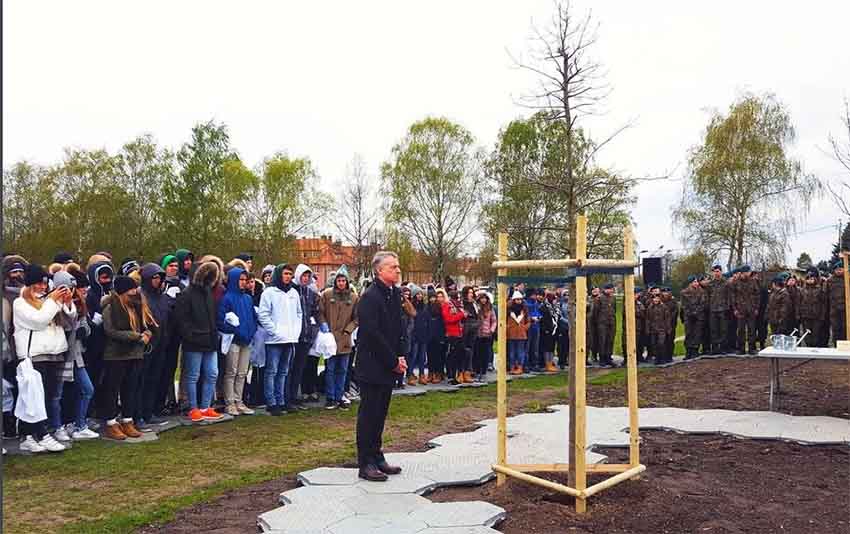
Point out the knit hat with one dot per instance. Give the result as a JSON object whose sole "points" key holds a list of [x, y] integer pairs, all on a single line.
{"points": [[168, 259], [64, 278], [122, 284], [63, 257], [432, 292], [516, 295], [244, 256], [691, 279], [34, 274], [608, 286], [128, 265], [16, 267], [638, 289]]}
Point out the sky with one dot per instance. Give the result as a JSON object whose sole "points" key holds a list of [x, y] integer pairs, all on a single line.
{"points": [[327, 80]]}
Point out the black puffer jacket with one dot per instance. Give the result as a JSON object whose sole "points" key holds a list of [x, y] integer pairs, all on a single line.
{"points": [[194, 316]]}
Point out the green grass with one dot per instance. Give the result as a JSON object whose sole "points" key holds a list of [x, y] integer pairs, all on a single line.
{"points": [[105, 487]]}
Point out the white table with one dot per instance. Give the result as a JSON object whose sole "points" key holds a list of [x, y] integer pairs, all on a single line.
{"points": [[802, 353]]}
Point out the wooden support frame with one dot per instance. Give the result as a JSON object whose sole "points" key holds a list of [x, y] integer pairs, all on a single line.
{"points": [[577, 467]]}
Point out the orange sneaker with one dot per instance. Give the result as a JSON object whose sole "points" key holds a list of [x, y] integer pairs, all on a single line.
{"points": [[211, 415], [196, 416]]}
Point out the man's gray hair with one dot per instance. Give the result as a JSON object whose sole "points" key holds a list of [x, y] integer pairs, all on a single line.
{"points": [[380, 256]]}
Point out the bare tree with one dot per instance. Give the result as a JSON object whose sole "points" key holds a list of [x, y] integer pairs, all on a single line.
{"points": [[841, 152], [356, 213]]}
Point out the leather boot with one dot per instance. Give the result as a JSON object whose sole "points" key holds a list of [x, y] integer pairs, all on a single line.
{"points": [[130, 431], [372, 473], [388, 469], [411, 380], [114, 432], [424, 379], [467, 377]]}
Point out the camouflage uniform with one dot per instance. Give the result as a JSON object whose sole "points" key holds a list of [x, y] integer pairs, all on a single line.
{"points": [[673, 311], [779, 307], [694, 304], [745, 305], [640, 330], [835, 306], [718, 306], [812, 314], [658, 328], [793, 319], [603, 317], [706, 330], [590, 331]]}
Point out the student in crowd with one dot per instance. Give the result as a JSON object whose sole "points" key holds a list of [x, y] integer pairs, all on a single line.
{"points": [[185, 259], [419, 341], [310, 320], [160, 306], [486, 332], [13, 282], [280, 314], [471, 324], [236, 317], [39, 337], [408, 317], [518, 325], [165, 400], [549, 318], [338, 315], [436, 335], [195, 317], [453, 315], [563, 329], [532, 358], [130, 327]]}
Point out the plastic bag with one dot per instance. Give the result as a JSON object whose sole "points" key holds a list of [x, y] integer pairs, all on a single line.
{"points": [[325, 345], [30, 406]]}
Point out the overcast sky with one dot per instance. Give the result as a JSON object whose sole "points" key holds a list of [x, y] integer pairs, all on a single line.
{"points": [[330, 79]]}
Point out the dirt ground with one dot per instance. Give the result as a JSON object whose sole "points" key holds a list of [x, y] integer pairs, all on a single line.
{"points": [[693, 484]]}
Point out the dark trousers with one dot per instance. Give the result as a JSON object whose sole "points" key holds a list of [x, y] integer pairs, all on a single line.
{"points": [[641, 341], [296, 370], [121, 377], [747, 332], [815, 338], [436, 356], [350, 374], [454, 355], [731, 331], [483, 353], [371, 416], [256, 391], [165, 384], [564, 349], [605, 341], [693, 332], [658, 342], [51, 378], [310, 376], [837, 325], [717, 328], [150, 383]]}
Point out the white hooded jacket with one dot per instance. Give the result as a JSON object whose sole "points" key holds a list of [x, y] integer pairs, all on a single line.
{"points": [[48, 337], [280, 314]]}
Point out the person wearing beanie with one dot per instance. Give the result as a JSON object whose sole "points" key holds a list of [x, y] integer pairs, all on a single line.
{"points": [[486, 332], [195, 318], [130, 328], [38, 319], [436, 335], [248, 259], [310, 320], [835, 302], [185, 259], [453, 316], [518, 324], [236, 317], [418, 338], [693, 310], [280, 315], [812, 310], [13, 283], [151, 377], [338, 315], [63, 258], [533, 356]]}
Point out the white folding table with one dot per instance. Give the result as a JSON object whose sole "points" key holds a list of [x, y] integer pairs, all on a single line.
{"points": [[801, 353]]}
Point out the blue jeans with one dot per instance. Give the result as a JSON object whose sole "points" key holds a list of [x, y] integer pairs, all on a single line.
{"points": [[533, 350], [417, 358], [278, 360], [516, 352], [85, 390], [203, 365], [335, 369]]}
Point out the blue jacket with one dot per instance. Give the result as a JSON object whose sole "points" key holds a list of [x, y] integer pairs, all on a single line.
{"points": [[421, 324], [534, 311], [436, 328], [242, 305]]}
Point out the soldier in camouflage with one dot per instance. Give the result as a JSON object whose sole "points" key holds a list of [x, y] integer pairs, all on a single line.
{"points": [[812, 310], [835, 302], [658, 328], [603, 315], [592, 333], [779, 307], [793, 318], [718, 307], [706, 321], [640, 327], [694, 305], [745, 307], [673, 315]]}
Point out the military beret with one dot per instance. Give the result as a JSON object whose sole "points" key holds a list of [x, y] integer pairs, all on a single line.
{"points": [[838, 264], [745, 268], [608, 286], [778, 280], [716, 267], [666, 289], [701, 277], [692, 279], [812, 272], [638, 289]]}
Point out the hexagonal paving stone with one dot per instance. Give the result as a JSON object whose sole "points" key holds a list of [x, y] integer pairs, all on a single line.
{"points": [[418, 485], [460, 530], [329, 476], [294, 518], [459, 514], [386, 505], [314, 494]]}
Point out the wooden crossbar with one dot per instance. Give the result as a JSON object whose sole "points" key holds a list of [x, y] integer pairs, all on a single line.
{"points": [[564, 262], [614, 480], [542, 482], [564, 468]]}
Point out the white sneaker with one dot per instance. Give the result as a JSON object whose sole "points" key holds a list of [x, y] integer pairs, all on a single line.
{"points": [[61, 434], [85, 434], [51, 444], [31, 445]]}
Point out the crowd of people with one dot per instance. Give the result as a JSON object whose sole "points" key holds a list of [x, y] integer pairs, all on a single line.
{"points": [[102, 344]]}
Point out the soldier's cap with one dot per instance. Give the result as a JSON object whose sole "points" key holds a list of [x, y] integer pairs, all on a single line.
{"points": [[784, 276], [716, 267], [812, 272], [778, 280], [728, 274], [638, 289], [691, 279], [701, 277], [666, 289], [838, 264], [608, 286], [744, 268]]}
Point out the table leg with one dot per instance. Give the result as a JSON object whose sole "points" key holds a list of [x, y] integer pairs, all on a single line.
{"points": [[772, 373]]}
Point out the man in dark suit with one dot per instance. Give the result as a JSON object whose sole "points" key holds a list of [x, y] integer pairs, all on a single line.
{"points": [[380, 345]]}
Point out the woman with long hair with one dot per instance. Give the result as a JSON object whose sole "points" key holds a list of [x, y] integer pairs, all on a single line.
{"points": [[129, 326], [39, 337], [471, 323], [486, 331], [436, 336]]}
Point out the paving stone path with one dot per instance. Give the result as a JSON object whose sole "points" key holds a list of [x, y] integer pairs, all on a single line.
{"points": [[334, 501]]}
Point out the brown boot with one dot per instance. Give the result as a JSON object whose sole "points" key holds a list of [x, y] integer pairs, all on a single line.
{"points": [[130, 431], [423, 379], [411, 380], [114, 432], [467, 377]]}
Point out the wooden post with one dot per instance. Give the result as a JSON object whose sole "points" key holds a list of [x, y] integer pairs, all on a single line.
{"points": [[578, 422], [502, 363], [631, 352]]}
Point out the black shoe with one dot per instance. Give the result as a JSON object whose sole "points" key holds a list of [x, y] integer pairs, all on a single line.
{"points": [[388, 469], [740, 352], [342, 406], [372, 473], [754, 351], [330, 405], [275, 410]]}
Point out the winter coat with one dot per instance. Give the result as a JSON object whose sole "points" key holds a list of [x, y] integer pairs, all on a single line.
{"points": [[518, 324], [160, 303], [380, 338], [96, 290], [452, 320], [122, 341], [533, 312], [420, 324], [195, 313], [548, 327], [238, 302], [338, 309], [310, 318], [38, 332], [488, 325], [280, 311], [564, 321], [436, 327]]}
